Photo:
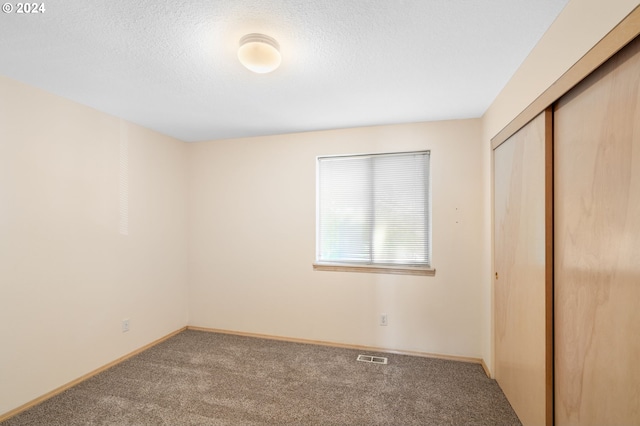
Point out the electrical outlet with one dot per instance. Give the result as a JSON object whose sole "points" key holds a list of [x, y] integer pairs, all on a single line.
{"points": [[384, 320], [125, 325]]}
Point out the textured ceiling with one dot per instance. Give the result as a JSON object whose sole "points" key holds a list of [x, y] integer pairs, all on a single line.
{"points": [[172, 66]]}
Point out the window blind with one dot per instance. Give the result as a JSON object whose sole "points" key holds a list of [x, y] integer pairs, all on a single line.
{"points": [[374, 209]]}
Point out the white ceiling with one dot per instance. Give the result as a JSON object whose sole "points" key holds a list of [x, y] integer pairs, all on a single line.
{"points": [[171, 65]]}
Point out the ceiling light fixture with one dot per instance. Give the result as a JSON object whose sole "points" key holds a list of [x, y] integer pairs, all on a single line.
{"points": [[259, 53]]}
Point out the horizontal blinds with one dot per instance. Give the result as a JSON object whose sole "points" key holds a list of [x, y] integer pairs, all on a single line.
{"points": [[374, 209]]}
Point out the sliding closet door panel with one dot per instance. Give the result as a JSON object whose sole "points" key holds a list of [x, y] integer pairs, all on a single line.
{"points": [[520, 289], [597, 246]]}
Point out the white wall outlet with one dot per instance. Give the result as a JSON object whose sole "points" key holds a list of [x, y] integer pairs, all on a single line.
{"points": [[384, 320], [125, 325]]}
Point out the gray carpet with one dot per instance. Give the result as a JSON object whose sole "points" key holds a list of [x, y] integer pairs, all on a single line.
{"points": [[200, 378]]}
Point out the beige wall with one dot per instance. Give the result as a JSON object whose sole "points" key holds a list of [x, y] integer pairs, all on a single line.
{"points": [[581, 25], [67, 277], [577, 29], [252, 243]]}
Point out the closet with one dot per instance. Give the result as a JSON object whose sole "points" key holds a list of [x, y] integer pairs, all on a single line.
{"points": [[567, 254]]}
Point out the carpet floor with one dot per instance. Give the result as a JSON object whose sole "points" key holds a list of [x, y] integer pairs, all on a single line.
{"points": [[201, 378]]}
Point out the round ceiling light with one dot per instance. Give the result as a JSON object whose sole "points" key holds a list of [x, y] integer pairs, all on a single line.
{"points": [[259, 53]]}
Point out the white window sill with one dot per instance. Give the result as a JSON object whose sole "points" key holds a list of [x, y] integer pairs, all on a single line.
{"points": [[375, 269]]}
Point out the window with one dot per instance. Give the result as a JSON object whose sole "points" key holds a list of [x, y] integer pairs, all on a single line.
{"points": [[373, 211]]}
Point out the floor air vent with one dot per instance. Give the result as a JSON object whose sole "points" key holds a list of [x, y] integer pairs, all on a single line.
{"points": [[373, 359]]}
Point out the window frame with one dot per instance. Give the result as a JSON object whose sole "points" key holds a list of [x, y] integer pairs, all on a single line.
{"points": [[400, 269]]}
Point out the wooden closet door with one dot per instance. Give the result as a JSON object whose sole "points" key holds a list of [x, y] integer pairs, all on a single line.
{"points": [[523, 362], [597, 246]]}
